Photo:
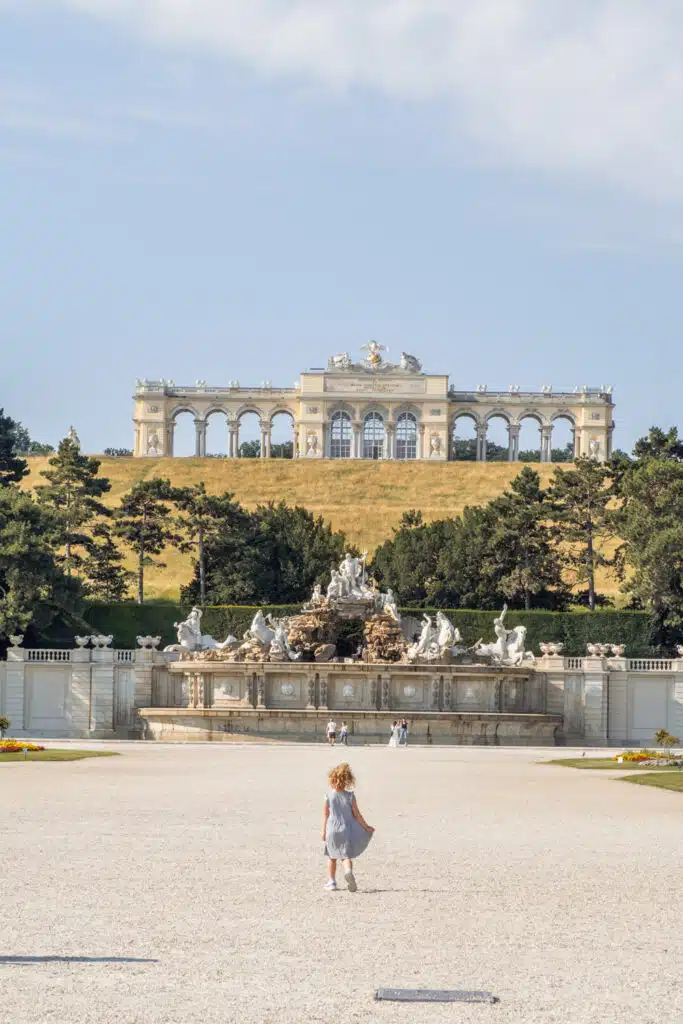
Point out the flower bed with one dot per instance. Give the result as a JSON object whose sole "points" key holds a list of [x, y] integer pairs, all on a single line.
{"points": [[16, 746], [649, 758]]}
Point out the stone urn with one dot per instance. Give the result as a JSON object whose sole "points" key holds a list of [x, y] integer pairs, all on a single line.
{"points": [[101, 642]]}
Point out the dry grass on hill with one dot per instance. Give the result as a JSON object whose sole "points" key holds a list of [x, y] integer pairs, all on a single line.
{"points": [[364, 499]]}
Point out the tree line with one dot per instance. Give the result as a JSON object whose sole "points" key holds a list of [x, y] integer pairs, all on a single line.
{"points": [[531, 546]]}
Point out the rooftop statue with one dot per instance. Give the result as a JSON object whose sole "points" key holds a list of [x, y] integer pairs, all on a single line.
{"points": [[410, 363], [374, 358]]}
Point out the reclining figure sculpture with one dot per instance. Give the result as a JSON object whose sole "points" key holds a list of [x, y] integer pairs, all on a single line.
{"points": [[191, 638], [508, 648]]}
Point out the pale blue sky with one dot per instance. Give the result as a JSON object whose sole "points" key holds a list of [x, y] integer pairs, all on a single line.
{"points": [[238, 189]]}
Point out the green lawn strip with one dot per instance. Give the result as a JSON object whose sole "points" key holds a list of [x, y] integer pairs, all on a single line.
{"points": [[661, 780], [605, 764], [56, 755]]}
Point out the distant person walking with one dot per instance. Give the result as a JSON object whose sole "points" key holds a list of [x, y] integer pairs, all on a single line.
{"points": [[345, 832], [344, 735], [331, 731], [403, 732]]}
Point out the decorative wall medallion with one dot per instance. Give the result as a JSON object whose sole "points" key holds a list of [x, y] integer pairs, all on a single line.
{"points": [[153, 408], [348, 690], [287, 689], [409, 691]]}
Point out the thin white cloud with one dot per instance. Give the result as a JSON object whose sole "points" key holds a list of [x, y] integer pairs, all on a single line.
{"points": [[590, 87]]}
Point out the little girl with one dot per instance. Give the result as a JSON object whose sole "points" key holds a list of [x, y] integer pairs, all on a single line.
{"points": [[345, 831]]}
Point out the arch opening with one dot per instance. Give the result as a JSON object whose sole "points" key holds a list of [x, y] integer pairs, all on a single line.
{"points": [[249, 435], [340, 436], [497, 439], [562, 445], [216, 443], [464, 438], [373, 436], [529, 439], [282, 435], [184, 434], [406, 436]]}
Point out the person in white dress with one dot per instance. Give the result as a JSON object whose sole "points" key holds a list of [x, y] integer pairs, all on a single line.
{"points": [[395, 732]]}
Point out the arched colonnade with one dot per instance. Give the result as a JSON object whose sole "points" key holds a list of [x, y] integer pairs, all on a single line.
{"points": [[545, 425], [233, 422], [372, 434]]}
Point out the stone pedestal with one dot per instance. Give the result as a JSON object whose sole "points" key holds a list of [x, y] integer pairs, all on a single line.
{"points": [[80, 691], [14, 687], [595, 684], [102, 690]]}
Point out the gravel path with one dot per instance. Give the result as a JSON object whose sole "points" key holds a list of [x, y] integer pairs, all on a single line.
{"points": [[557, 890]]}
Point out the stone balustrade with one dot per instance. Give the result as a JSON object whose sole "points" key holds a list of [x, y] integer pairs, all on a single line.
{"points": [[105, 691]]}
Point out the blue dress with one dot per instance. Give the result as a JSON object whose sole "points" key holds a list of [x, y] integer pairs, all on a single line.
{"points": [[345, 838]]}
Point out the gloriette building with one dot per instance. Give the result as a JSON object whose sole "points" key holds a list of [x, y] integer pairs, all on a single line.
{"points": [[372, 409]]}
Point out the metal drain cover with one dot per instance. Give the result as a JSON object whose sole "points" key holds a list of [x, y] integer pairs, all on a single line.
{"points": [[432, 995]]}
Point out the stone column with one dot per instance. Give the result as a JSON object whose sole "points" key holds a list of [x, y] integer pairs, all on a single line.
{"points": [[677, 727], [170, 431], [481, 443], [79, 697], [297, 450], [15, 687], [322, 690], [269, 429], [264, 443], [144, 665], [102, 690], [389, 434], [201, 690], [546, 443], [421, 442], [595, 681], [310, 686], [261, 690], [385, 692], [436, 693], [513, 442], [356, 428], [199, 438]]}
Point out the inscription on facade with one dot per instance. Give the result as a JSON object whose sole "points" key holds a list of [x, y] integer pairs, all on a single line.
{"points": [[375, 386]]}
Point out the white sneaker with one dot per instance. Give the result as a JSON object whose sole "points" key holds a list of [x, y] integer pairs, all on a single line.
{"points": [[350, 881], [331, 885]]}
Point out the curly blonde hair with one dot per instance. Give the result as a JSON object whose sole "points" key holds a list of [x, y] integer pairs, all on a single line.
{"points": [[341, 777]]}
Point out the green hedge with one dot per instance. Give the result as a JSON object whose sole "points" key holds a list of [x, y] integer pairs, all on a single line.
{"points": [[127, 620]]}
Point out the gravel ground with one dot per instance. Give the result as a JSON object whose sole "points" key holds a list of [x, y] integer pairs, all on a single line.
{"points": [[557, 890]]}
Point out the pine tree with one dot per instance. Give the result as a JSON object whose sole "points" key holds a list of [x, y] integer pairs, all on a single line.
{"points": [[106, 579], [580, 500], [650, 521], [32, 583], [74, 491], [204, 518], [144, 520], [521, 558], [12, 469]]}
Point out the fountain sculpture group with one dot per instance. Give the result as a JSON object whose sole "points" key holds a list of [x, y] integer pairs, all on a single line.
{"points": [[314, 634]]}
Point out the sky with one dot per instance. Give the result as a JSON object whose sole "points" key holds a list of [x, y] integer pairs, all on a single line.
{"points": [[237, 189]]}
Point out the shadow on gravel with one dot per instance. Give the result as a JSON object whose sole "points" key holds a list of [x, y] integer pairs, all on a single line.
{"points": [[371, 892], [75, 960]]}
